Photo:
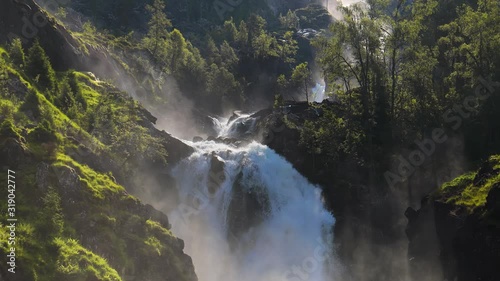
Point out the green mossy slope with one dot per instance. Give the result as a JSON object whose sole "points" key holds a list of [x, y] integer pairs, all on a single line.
{"points": [[68, 143]]}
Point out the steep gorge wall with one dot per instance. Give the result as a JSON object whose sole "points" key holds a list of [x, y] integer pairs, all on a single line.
{"points": [[465, 238]]}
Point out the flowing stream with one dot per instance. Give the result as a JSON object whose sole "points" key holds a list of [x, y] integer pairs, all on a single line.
{"points": [[246, 214]]}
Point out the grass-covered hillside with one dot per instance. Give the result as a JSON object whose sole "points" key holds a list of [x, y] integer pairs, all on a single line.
{"points": [[74, 142]]}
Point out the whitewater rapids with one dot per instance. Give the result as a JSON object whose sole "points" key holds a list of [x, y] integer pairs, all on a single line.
{"points": [[289, 232]]}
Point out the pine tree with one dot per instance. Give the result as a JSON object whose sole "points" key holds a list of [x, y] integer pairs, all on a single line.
{"points": [[16, 52], [39, 68], [158, 27]]}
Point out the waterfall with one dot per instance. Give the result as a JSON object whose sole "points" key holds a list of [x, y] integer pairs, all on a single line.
{"points": [[333, 5], [246, 214], [318, 91]]}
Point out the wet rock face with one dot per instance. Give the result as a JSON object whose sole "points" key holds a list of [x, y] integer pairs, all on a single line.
{"points": [[69, 183], [42, 176], [216, 176], [477, 250], [423, 247], [248, 208], [25, 20], [493, 201], [468, 240]]}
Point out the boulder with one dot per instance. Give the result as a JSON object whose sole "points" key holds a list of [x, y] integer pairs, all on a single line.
{"points": [[13, 152], [42, 176], [249, 206], [216, 176], [69, 183]]}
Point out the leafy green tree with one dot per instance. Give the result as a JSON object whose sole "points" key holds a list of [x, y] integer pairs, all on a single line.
{"points": [[361, 35], [178, 51], [472, 44], [264, 46], [222, 83], [287, 47], [282, 87], [301, 78]]}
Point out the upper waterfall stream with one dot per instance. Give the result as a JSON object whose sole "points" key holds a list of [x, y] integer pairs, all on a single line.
{"points": [[246, 214]]}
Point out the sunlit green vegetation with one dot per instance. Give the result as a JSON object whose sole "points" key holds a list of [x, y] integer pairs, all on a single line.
{"points": [[470, 190], [74, 217]]}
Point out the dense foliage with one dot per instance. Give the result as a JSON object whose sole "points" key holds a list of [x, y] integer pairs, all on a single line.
{"points": [[409, 67]]}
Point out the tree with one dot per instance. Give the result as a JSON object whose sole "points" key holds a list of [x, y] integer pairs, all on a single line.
{"points": [[31, 104], [301, 78], [135, 143], [158, 27], [213, 53], [228, 56], [16, 52], [282, 87], [243, 36], [66, 99], [256, 26], [264, 46], [290, 20], [40, 69], [222, 83], [287, 48], [177, 51], [230, 30], [473, 44]]}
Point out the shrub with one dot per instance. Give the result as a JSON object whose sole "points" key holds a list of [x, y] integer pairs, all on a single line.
{"points": [[43, 133], [32, 104], [9, 130]]}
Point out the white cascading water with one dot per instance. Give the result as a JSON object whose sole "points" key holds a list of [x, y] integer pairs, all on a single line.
{"points": [[255, 219], [333, 5], [318, 91]]}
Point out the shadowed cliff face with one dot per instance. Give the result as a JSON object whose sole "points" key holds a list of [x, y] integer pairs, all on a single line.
{"points": [[27, 21], [460, 222]]}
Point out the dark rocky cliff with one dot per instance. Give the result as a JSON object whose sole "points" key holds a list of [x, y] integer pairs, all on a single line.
{"points": [[461, 223]]}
